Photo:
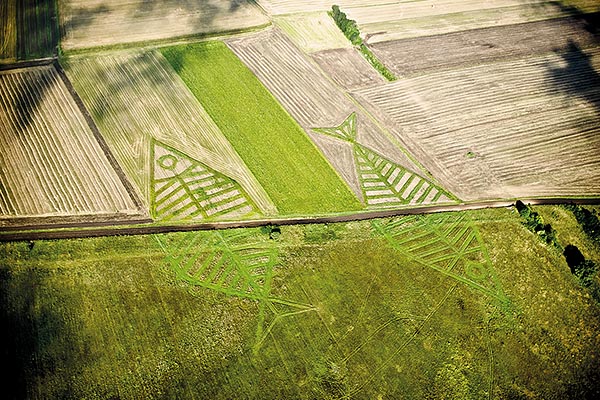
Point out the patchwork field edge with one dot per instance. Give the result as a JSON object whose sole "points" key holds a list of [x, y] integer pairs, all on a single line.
{"points": [[104, 228], [101, 142]]}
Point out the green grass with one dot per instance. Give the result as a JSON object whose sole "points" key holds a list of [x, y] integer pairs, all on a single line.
{"points": [[8, 29], [343, 311], [30, 29], [283, 159]]}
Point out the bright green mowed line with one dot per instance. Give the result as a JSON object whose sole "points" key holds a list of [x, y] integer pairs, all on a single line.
{"points": [[275, 148]]}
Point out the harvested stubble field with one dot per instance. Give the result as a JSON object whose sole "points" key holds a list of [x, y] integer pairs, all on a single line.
{"points": [[136, 98], [354, 310], [28, 29], [94, 23], [50, 162], [509, 129], [385, 20], [478, 46], [321, 107], [284, 161]]}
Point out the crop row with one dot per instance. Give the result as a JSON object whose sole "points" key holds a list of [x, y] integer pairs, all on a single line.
{"points": [[525, 127], [51, 162], [137, 97]]}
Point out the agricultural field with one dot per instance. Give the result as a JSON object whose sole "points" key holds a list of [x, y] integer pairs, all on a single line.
{"points": [[526, 127], [51, 164], [391, 20], [436, 306], [348, 68], [378, 171], [288, 166], [151, 123], [177, 157], [479, 46], [29, 29], [312, 31], [95, 23]]}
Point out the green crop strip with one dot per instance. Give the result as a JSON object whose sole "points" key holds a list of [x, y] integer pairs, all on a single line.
{"points": [[275, 148], [351, 31]]}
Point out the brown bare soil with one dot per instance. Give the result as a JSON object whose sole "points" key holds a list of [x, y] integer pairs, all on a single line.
{"points": [[348, 68], [433, 53]]}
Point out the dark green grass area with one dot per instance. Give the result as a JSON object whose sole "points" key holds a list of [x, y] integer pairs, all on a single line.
{"points": [[38, 29], [286, 163], [342, 314], [29, 29]]}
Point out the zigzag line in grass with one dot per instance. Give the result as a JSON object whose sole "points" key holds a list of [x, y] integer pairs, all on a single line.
{"points": [[383, 182]]}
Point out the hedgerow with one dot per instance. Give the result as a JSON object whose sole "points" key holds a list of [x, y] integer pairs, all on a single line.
{"points": [[351, 31]]}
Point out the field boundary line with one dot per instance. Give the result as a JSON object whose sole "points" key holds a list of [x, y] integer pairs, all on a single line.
{"points": [[109, 228], [100, 139]]}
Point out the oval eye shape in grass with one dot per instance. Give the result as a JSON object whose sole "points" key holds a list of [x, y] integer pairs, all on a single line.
{"points": [[278, 152]]}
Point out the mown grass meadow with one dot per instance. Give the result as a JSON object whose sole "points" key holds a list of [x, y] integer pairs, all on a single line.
{"points": [[340, 313]]}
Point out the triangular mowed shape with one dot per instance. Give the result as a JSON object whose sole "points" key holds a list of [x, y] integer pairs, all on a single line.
{"points": [[447, 243], [385, 183], [184, 188], [345, 131]]}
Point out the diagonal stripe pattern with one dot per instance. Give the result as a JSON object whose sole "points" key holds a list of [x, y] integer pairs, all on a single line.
{"points": [[184, 188], [383, 182]]}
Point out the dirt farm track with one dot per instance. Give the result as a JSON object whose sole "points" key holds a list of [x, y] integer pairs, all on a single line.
{"points": [[106, 228], [109, 137]]}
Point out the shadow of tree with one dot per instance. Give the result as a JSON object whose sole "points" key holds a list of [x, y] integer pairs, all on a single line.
{"points": [[81, 17], [578, 77], [200, 14], [29, 327], [591, 21]]}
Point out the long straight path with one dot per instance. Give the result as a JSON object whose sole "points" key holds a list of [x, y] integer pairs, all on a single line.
{"points": [[86, 230]]}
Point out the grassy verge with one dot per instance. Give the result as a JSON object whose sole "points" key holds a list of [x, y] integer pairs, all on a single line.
{"points": [[337, 312], [350, 30], [285, 162]]}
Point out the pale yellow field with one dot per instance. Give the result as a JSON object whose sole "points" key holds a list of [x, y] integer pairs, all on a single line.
{"points": [[384, 20], [50, 162], [313, 31], [101, 22]]}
